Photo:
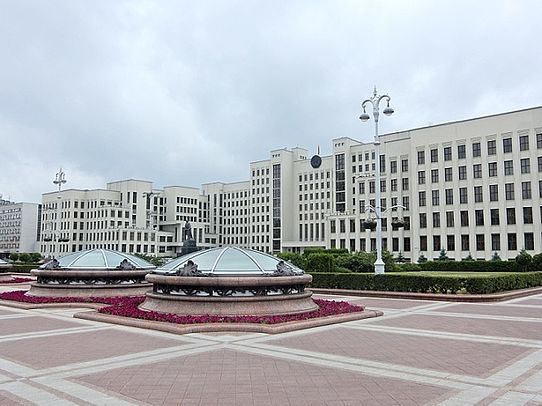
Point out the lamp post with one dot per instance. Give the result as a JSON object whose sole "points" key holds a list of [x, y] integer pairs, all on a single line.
{"points": [[375, 101], [60, 179]]}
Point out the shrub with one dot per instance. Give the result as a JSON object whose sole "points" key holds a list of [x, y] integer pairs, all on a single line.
{"points": [[496, 257], [536, 263], [331, 251], [294, 258], [523, 260], [422, 259], [35, 257], [320, 262], [469, 266], [443, 256], [14, 256], [24, 257], [408, 268], [357, 262]]}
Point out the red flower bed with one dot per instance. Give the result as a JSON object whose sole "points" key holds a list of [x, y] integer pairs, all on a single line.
{"points": [[17, 280], [19, 296], [128, 307]]}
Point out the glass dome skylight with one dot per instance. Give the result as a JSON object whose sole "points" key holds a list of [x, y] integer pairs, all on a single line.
{"points": [[227, 261], [100, 259]]}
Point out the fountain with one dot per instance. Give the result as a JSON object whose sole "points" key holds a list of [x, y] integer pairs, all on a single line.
{"points": [[95, 272], [229, 281]]}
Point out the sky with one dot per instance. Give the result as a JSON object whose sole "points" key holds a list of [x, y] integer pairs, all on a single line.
{"points": [[190, 92]]}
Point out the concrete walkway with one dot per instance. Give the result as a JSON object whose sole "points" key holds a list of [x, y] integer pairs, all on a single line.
{"points": [[418, 353]]}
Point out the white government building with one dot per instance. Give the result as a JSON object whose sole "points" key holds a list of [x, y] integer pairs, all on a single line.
{"points": [[472, 187]]}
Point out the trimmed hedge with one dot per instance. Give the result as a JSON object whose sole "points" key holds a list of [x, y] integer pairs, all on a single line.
{"points": [[469, 266], [427, 284]]}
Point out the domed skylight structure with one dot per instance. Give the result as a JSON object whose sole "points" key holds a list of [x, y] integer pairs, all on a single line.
{"points": [[228, 261], [99, 259]]}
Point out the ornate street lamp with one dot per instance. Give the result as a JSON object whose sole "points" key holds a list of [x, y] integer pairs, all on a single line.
{"points": [[60, 179], [375, 101]]}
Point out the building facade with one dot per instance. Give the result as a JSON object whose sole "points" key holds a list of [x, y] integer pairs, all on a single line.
{"points": [[470, 187], [19, 227]]}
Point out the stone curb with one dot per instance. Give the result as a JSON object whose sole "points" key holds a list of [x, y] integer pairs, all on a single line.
{"points": [[227, 327], [492, 297]]}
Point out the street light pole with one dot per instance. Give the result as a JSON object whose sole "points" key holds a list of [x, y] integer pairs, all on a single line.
{"points": [[375, 101], [60, 179]]}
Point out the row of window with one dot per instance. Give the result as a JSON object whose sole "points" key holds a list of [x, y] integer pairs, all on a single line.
{"points": [[479, 243], [477, 149], [479, 217]]}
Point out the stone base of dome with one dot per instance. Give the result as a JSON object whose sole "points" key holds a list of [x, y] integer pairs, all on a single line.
{"points": [[230, 306], [47, 290]]}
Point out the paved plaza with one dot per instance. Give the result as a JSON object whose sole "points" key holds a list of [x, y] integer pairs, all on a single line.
{"points": [[418, 353]]}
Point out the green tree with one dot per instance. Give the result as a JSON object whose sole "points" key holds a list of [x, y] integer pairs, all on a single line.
{"points": [[443, 256], [468, 258], [422, 259], [495, 257], [14, 256], [35, 257]]}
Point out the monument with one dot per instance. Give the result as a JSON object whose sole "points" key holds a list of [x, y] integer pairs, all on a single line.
{"points": [[189, 243]]}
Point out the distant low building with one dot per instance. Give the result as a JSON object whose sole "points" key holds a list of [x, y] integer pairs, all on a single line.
{"points": [[19, 227]]}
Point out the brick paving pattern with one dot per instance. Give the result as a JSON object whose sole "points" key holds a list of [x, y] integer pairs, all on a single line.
{"points": [[418, 353]]}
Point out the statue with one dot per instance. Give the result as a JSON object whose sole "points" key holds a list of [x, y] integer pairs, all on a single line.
{"points": [[187, 232]]}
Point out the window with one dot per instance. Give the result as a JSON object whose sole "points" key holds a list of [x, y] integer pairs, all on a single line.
{"points": [[512, 242], [480, 243], [423, 243], [436, 219], [421, 199], [509, 191], [449, 195], [393, 185], [463, 195], [507, 145], [495, 242], [492, 168], [478, 196], [476, 150], [526, 190], [436, 243], [404, 165], [448, 174], [421, 157], [423, 220], [508, 167], [434, 155], [479, 217], [447, 153], [434, 175], [510, 216], [492, 147], [406, 202], [450, 240], [393, 166], [528, 238], [464, 217], [461, 152], [372, 186], [494, 215], [540, 188], [524, 143], [435, 199], [539, 140], [332, 229], [421, 177], [527, 215], [525, 165], [405, 184], [477, 171], [493, 193], [465, 242], [540, 164], [449, 219], [462, 172]]}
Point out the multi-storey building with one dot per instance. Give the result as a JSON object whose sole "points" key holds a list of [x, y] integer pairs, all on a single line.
{"points": [[471, 187], [19, 226]]}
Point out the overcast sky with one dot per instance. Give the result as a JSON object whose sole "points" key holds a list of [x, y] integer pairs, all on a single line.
{"points": [[189, 92]]}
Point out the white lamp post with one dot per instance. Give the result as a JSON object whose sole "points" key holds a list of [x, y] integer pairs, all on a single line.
{"points": [[60, 179], [375, 101]]}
